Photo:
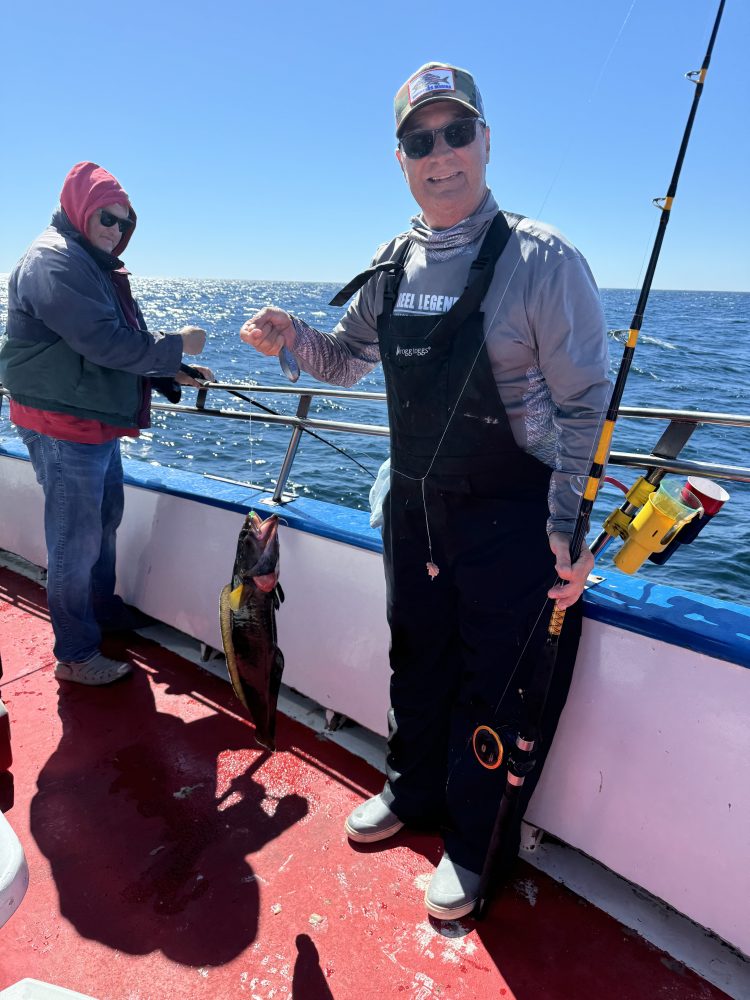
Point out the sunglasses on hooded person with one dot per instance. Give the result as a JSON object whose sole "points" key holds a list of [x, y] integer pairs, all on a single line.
{"points": [[420, 143], [107, 219]]}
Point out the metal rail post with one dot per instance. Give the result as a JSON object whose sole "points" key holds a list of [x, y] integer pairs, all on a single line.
{"points": [[286, 466]]}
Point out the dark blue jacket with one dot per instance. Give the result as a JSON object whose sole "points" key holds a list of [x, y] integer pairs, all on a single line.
{"points": [[68, 347]]}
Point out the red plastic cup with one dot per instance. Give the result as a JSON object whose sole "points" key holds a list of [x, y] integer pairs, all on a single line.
{"points": [[697, 492], [712, 496]]}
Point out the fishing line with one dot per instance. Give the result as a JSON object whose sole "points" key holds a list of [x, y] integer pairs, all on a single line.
{"points": [[488, 324], [611, 51], [592, 450], [578, 126], [252, 449], [519, 659], [275, 413], [522, 755], [649, 244], [431, 567]]}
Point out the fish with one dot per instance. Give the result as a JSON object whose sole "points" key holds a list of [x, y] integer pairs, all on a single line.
{"points": [[247, 609]]}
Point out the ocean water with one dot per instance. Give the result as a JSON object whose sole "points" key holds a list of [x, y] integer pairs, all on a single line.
{"points": [[693, 354]]}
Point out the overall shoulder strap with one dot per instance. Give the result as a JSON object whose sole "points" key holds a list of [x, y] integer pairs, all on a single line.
{"points": [[480, 274], [394, 265]]}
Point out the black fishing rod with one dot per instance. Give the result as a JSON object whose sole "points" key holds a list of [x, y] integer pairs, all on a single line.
{"points": [[522, 755]]}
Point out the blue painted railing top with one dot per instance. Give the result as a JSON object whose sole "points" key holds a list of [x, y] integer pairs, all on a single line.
{"points": [[679, 617]]}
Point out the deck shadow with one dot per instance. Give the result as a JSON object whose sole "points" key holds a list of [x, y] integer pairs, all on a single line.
{"points": [[146, 812], [548, 942], [308, 979], [30, 598]]}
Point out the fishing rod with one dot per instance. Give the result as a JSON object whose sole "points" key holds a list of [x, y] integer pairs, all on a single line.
{"points": [[205, 386], [522, 754]]}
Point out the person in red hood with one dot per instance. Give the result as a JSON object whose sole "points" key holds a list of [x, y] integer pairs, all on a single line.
{"points": [[80, 363]]}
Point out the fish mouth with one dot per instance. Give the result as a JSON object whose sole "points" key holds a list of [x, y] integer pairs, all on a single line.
{"points": [[259, 551], [264, 531]]}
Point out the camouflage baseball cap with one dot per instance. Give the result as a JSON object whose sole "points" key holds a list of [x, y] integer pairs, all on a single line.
{"points": [[437, 82]]}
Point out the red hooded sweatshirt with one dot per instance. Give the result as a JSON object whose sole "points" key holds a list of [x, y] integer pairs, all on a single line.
{"points": [[87, 188]]}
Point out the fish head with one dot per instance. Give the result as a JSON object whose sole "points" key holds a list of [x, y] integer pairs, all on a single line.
{"points": [[257, 561]]}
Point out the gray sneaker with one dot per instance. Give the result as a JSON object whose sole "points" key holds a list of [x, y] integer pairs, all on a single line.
{"points": [[97, 670], [372, 821], [453, 891]]}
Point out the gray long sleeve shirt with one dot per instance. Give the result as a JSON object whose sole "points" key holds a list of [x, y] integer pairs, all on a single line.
{"points": [[545, 336]]}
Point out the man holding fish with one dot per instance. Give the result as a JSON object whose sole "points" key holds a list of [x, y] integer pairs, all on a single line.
{"points": [[492, 340]]}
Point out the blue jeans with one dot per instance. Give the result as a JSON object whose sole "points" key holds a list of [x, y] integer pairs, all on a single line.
{"points": [[83, 504]]}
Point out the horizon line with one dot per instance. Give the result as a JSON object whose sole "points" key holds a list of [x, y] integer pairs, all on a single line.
{"points": [[326, 281]]}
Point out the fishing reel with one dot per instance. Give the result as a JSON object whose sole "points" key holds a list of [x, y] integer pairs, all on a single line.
{"points": [[489, 748], [492, 748], [670, 516]]}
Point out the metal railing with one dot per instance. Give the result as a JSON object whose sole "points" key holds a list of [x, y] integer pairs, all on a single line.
{"points": [[299, 422], [681, 424], [664, 456]]}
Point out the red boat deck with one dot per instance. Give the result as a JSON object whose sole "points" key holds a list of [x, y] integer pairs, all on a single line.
{"points": [[169, 857]]}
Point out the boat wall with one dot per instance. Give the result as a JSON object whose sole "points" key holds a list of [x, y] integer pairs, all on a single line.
{"points": [[649, 773], [650, 767], [175, 552]]}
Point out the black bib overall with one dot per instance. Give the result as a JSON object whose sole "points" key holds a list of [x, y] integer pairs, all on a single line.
{"points": [[456, 639]]}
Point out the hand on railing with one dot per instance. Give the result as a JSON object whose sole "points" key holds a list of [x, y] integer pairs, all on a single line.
{"points": [[186, 378]]}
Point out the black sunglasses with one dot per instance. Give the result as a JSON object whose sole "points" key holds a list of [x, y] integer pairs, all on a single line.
{"points": [[108, 220], [458, 133]]}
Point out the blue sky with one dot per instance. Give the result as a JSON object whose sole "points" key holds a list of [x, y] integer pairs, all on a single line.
{"points": [[256, 139]]}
